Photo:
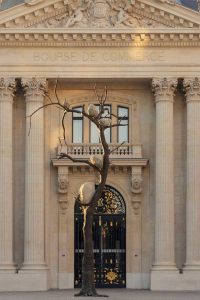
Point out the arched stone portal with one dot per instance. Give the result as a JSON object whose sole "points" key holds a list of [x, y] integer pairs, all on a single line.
{"points": [[109, 238]]}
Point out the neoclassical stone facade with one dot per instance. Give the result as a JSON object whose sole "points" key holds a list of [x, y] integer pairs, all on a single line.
{"points": [[147, 53]]}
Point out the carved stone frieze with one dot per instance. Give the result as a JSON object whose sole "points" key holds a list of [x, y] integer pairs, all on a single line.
{"points": [[7, 89], [191, 88], [100, 14], [34, 88], [164, 88]]}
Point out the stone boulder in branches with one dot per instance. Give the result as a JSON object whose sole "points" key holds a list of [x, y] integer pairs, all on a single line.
{"points": [[105, 122], [86, 192], [97, 160], [93, 111]]}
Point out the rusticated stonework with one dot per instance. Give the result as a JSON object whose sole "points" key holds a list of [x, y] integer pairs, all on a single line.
{"points": [[100, 14]]}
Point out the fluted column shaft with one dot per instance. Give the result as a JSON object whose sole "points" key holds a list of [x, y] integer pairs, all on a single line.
{"points": [[164, 209], [192, 89], [7, 87], [34, 176]]}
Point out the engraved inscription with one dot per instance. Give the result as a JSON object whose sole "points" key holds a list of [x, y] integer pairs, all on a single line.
{"points": [[123, 56]]}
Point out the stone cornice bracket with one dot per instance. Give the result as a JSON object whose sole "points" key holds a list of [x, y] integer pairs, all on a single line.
{"points": [[7, 89], [63, 188], [34, 89], [191, 89], [164, 88], [136, 189]]}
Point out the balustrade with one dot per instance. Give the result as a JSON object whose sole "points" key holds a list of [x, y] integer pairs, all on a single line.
{"points": [[86, 150]]}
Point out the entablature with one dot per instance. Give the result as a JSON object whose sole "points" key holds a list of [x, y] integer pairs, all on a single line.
{"points": [[143, 37]]}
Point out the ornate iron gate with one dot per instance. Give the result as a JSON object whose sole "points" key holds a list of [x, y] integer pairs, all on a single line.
{"points": [[109, 241]]}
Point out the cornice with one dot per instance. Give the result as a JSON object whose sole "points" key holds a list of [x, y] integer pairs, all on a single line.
{"points": [[137, 38], [142, 162], [170, 15]]}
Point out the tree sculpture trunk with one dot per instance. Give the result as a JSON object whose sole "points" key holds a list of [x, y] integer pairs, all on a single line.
{"points": [[88, 287]]}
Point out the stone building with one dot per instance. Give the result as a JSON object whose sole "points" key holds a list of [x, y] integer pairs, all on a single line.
{"points": [[147, 224]]}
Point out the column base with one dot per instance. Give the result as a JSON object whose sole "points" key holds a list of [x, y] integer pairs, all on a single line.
{"points": [[191, 267], [164, 267], [8, 268], [33, 268]]}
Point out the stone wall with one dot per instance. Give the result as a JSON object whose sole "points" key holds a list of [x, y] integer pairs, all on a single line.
{"points": [[143, 131]]}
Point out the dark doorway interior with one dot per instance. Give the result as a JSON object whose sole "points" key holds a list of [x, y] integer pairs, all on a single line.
{"points": [[109, 240]]}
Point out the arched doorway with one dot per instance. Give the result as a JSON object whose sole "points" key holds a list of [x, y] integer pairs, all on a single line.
{"points": [[109, 240]]}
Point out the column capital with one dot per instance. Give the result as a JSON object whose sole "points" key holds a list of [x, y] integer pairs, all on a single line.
{"points": [[191, 88], [164, 88], [34, 88], [7, 89]]}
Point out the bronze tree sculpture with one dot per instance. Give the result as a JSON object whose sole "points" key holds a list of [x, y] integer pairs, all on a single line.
{"points": [[102, 122]]}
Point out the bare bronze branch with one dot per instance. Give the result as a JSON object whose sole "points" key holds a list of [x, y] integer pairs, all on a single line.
{"points": [[117, 147], [56, 90], [75, 160]]}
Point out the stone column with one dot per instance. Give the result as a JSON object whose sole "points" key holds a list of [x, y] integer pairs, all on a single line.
{"points": [[192, 90], [7, 87], [34, 258], [164, 209]]}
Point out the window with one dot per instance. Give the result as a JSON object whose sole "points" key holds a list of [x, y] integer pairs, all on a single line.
{"points": [[123, 131], [77, 126], [94, 133]]}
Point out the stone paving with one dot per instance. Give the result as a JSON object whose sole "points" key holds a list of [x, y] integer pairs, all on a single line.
{"points": [[116, 294]]}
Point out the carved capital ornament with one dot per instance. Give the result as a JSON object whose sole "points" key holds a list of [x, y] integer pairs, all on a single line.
{"points": [[34, 88], [7, 89], [164, 88], [191, 88]]}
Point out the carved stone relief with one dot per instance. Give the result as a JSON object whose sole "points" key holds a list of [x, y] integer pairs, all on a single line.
{"points": [[63, 183], [100, 14], [136, 184], [63, 189], [136, 189]]}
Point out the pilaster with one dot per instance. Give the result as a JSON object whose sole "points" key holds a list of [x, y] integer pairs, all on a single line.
{"points": [[192, 92], [7, 88]]}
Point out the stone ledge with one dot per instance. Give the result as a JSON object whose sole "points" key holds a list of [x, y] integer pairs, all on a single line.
{"points": [[173, 281], [23, 282]]}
